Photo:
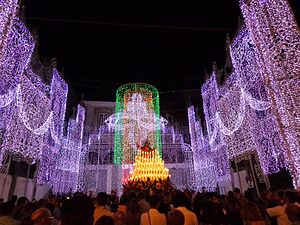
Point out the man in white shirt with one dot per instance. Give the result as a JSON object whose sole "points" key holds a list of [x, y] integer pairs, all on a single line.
{"points": [[279, 211], [100, 209], [179, 201], [153, 216]]}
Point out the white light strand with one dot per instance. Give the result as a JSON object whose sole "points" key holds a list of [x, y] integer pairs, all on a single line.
{"points": [[239, 120], [256, 104], [244, 98], [7, 98], [42, 129]]}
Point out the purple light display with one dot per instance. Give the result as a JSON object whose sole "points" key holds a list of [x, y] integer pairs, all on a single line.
{"points": [[276, 35], [58, 96], [17, 53], [32, 113], [8, 9], [58, 93], [257, 110], [68, 158]]}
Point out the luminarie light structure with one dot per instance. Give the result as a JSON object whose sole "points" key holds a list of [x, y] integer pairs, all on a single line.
{"points": [[137, 120], [276, 35], [148, 165], [8, 10]]}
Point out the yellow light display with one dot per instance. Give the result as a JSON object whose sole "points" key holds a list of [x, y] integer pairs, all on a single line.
{"points": [[148, 165]]}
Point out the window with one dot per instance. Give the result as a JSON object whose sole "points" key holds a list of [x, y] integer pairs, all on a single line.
{"points": [[101, 118]]}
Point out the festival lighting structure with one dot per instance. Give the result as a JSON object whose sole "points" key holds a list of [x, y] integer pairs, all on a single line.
{"points": [[148, 165], [17, 53], [68, 158], [58, 93], [8, 10], [54, 138], [276, 35], [248, 75], [137, 120]]}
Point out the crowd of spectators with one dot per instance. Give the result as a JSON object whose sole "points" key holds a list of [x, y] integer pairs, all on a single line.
{"points": [[142, 208]]}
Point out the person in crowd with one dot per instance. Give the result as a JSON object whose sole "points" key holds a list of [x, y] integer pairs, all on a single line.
{"points": [[232, 207], [133, 213], [119, 218], [114, 199], [51, 207], [17, 212], [175, 217], [216, 211], [100, 209], [238, 195], [153, 216], [293, 213], [56, 211], [268, 200], [280, 196], [251, 214], [197, 205], [143, 203], [77, 210], [105, 220], [279, 211], [5, 211], [123, 203], [13, 199], [179, 201], [42, 216], [27, 212]]}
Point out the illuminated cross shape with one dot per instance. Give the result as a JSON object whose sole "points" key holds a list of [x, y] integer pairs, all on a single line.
{"points": [[138, 116], [137, 119]]}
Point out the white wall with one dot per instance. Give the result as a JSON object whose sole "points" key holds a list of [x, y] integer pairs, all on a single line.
{"points": [[244, 185], [5, 182]]}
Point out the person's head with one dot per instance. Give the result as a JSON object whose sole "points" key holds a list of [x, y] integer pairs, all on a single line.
{"points": [[290, 197], [41, 216], [293, 212], [102, 198], [175, 217], [22, 201], [119, 218], [230, 194], [78, 210], [179, 199], [14, 198], [105, 220], [280, 194], [50, 206], [153, 201], [133, 206], [250, 195], [113, 193], [237, 193], [215, 199], [6, 208], [124, 199], [140, 196]]}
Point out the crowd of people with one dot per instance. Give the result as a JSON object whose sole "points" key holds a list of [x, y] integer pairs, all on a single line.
{"points": [[156, 208]]}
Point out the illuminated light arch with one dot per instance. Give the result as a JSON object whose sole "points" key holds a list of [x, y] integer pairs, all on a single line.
{"points": [[137, 120]]}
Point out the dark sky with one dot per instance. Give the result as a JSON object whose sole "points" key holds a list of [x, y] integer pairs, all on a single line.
{"points": [[166, 43]]}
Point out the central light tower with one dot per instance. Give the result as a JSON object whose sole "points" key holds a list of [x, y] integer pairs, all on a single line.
{"points": [[137, 121]]}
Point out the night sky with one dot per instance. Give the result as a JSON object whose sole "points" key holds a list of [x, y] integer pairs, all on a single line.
{"points": [[168, 44]]}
